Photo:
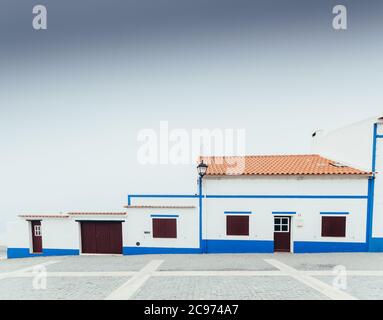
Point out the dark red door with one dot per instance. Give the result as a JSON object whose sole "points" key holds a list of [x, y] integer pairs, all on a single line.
{"points": [[37, 242], [101, 237], [282, 234]]}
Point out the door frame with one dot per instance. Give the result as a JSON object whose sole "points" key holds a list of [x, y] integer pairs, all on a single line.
{"points": [[32, 236], [99, 220], [290, 217]]}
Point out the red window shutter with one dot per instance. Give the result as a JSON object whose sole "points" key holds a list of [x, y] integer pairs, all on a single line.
{"points": [[164, 228], [333, 226], [237, 225]]}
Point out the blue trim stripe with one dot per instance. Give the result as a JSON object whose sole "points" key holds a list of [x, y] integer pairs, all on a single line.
{"points": [[288, 196], [254, 196], [200, 196], [373, 166], [334, 212], [320, 246], [239, 246], [25, 252], [237, 212], [370, 208], [158, 250], [283, 212], [164, 215], [379, 136]]}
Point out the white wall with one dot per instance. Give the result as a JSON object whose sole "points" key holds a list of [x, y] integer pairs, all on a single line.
{"points": [[18, 234], [377, 228], [60, 234], [286, 185], [351, 145], [307, 211], [139, 220]]}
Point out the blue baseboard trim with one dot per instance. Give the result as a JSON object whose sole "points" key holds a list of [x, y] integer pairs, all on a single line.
{"points": [[376, 245], [320, 246], [239, 246], [24, 253], [158, 250]]}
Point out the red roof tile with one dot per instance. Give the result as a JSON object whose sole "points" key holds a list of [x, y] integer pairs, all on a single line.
{"points": [[277, 165], [39, 216]]}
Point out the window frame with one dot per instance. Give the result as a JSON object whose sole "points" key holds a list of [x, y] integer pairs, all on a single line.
{"points": [[331, 232], [164, 235], [230, 218], [281, 224], [37, 230]]}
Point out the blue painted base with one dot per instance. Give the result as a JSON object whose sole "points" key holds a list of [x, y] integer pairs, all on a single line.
{"points": [[158, 250], [222, 246], [239, 246], [376, 245], [24, 253], [319, 246]]}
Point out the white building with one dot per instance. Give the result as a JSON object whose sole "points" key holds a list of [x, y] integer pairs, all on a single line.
{"points": [[329, 201]]}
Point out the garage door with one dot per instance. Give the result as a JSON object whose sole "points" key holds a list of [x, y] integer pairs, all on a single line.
{"points": [[101, 237]]}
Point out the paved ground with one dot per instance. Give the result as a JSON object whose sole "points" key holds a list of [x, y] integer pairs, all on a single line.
{"points": [[225, 276]]}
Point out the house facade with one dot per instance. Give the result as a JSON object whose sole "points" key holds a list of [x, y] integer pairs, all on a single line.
{"points": [[327, 201]]}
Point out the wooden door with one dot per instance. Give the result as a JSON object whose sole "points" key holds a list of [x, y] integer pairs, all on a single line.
{"points": [[282, 234], [101, 237], [37, 243]]}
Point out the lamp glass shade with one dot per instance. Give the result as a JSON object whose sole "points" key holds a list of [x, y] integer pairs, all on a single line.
{"points": [[202, 168]]}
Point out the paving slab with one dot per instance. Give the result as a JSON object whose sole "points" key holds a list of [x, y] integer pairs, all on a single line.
{"points": [[226, 288], [327, 261], [361, 287], [84, 288], [100, 263], [211, 262]]}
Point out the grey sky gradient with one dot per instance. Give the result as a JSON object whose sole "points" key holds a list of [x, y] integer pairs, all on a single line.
{"points": [[73, 97]]}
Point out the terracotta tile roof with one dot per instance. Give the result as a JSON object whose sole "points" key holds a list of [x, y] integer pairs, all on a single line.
{"points": [[311, 164], [97, 213], [159, 207], [40, 216]]}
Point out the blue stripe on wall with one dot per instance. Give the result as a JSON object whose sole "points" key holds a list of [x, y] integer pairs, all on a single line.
{"points": [[24, 253], [158, 250], [217, 196], [376, 245], [164, 215], [239, 246], [237, 212], [320, 246], [334, 212], [283, 212]]}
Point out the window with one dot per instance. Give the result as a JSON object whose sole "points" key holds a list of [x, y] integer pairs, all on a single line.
{"points": [[281, 224], [237, 225], [37, 230], [164, 228], [333, 226]]}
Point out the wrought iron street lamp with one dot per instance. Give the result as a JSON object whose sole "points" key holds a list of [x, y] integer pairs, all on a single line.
{"points": [[201, 168]]}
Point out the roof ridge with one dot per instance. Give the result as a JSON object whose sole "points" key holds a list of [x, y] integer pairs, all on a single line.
{"points": [[267, 155]]}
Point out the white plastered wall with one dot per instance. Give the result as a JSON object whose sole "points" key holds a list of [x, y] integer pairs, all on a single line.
{"points": [[306, 223], [138, 228]]}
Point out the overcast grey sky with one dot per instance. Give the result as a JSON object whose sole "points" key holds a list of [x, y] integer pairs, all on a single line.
{"points": [[73, 97]]}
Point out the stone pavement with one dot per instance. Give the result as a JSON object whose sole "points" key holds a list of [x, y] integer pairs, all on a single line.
{"points": [[200, 277]]}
